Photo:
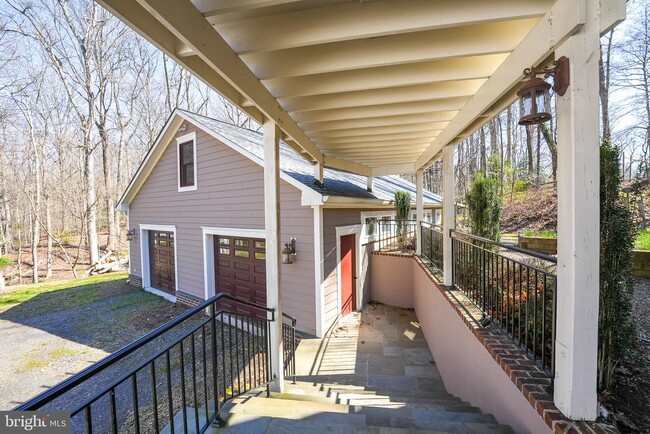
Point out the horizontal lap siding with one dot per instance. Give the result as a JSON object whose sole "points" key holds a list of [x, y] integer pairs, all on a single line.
{"points": [[230, 194], [332, 218]]}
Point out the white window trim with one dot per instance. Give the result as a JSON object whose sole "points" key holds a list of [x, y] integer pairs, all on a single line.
{"points": [[208, 251], [144, 258], [184, 139], [378, 215], [341, 231]]}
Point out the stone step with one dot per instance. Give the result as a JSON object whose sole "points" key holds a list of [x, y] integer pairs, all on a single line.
{"points": [[249, 424], [289, 409], [419, 418], [387, 396], [306, 395]]}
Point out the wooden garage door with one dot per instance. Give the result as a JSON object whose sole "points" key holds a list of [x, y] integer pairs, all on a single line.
{"points": [[240, 270], [161, 261]]}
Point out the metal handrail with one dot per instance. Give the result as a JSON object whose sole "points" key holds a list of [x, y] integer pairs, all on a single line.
{"points": [[455, 234], [67, 385]]}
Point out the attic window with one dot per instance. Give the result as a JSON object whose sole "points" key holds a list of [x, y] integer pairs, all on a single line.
{"points": [[186, 159]]}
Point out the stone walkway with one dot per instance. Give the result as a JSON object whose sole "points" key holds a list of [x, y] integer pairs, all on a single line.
{"points": [[381, 347]]}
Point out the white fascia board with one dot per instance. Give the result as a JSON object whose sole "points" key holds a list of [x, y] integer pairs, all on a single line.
{"points": [[153, 155]]}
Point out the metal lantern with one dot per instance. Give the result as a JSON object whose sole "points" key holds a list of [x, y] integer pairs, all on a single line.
{"points": [[534, 92], [130, 234], [289, 252]]}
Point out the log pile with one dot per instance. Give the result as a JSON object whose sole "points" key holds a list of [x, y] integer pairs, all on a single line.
{"points": [[108, 263]]}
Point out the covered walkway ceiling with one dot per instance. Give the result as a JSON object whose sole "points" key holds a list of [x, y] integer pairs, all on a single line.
{"points": [[372, 87]]}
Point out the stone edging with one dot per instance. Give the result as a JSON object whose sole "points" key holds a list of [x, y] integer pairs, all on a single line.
{"points": [[398, 254], [530, 379]]}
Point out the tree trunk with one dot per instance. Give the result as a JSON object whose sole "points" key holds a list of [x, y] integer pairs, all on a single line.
{"points": [[552, 147], [91, 212], [48, 229]]}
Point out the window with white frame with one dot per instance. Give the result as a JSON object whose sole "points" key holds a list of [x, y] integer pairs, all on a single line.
{"points": [[186, 162]]}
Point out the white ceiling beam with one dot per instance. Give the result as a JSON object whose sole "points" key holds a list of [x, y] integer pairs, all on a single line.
{"points": [[355, 20], [492, 38], [461, 68], [151, 29], [393, 169], [564, 19], [346, 166], [378, 145], [419, 135], [393, 95], [211, 8], [434, 118], [438, 105], [612, 13], [182, 19], [401, 128]]}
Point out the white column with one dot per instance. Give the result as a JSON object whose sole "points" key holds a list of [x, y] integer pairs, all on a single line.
{"points": [[448, 212], [370, 183], [272, 225], [578, 225], [318, 174], [419, 208]]}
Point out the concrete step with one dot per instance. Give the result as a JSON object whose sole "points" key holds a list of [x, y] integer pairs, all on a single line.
{"points": [[306, 395], [418, 418]]}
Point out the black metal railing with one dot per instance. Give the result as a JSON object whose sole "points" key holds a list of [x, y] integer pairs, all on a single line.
{"points": [[431, 243], [289, 344], [174, 378], [515, 289], [396, 235]]}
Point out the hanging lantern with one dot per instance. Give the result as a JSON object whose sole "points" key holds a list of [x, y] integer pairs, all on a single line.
{"points": [[533, 96], [534, 92]]}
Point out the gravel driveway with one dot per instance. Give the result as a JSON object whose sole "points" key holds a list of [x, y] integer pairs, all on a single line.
{"points": [[55, 334]]}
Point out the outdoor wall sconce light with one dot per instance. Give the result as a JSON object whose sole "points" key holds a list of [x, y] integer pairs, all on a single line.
{"points": [[130, 234], [533, 92], [289, 252], [183, 128]]}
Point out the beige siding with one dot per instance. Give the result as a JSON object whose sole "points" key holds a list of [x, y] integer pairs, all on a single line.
{"points": [[230, 194], [333, 218]]}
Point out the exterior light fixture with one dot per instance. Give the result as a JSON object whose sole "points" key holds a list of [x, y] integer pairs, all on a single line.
{"points": [[533, 92], [182, 128], [130, 234], [289, 252]]}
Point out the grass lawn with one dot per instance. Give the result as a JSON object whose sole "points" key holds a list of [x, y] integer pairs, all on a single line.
{"points": [[642, 241], [55, 329]]}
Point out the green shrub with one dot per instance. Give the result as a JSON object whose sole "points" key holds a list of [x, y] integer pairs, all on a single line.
{"points": [[616, 331], [485, 207], [642, 241], [5, 261]]}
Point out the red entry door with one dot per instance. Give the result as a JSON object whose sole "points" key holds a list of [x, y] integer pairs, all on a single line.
{"points": [[348, 275]]}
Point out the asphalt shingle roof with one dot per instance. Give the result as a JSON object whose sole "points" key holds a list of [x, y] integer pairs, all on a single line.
{"points": [[336, 182]]}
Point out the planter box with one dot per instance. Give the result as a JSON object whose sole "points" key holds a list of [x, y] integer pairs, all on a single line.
{"points": [[537, 244], [641, 263]]}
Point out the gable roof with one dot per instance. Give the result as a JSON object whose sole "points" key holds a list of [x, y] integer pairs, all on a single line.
{"points": [[294, 168]]}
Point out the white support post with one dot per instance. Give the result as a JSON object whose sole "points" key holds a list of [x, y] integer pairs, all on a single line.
{"points": [[419, 209], [370, 183], [448, 212], [318, 174], [272, 225], [576, 343]]}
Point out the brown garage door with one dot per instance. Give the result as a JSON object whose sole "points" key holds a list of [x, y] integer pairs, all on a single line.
{"points": [[240, 270], [161, 261]]}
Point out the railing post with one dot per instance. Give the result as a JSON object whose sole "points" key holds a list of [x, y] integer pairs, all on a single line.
{"points": [[419, 209], [448, 212]]}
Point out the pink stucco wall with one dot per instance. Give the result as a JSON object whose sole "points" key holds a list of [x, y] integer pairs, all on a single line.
{"points": [[391, 280], [467, 369]]}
